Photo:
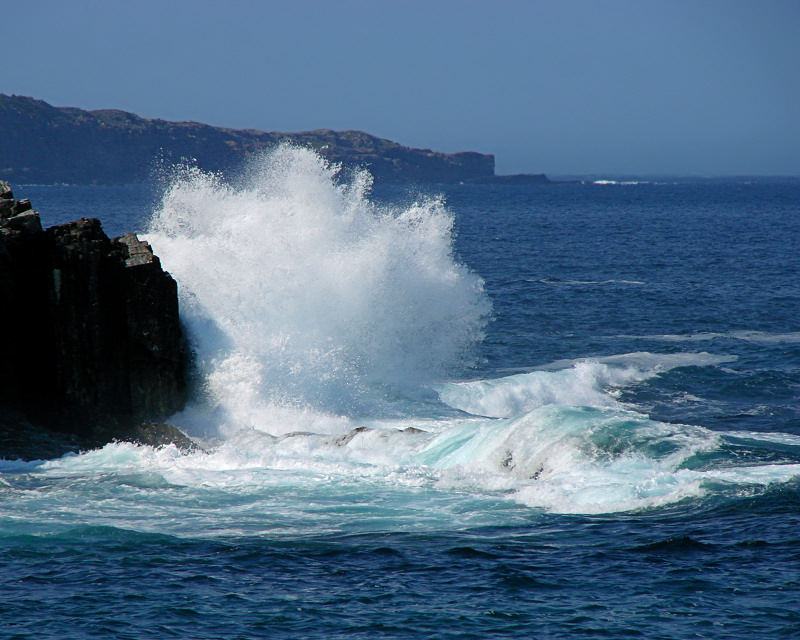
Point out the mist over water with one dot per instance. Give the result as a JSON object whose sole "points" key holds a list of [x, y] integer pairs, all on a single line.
{"points": [[299, 292]]}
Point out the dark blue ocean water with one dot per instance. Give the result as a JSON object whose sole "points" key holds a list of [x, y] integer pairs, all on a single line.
{"points": [[705, 273]]}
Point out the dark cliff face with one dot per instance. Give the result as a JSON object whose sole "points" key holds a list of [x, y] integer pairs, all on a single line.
{"points": [[42, 143], [90, 326]]}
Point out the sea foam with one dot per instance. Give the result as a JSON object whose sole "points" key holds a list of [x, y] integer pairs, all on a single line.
{"points": [[584, 382], [302, 296], [320, 321]]}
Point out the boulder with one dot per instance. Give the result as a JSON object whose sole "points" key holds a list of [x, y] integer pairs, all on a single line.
{"points": [[89, 327]]}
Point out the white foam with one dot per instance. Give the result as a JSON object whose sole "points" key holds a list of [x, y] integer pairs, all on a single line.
{"points": [[315, 313], [585, 382], [303, 296], [758, 337], [787, 439], [441, 473], [589, 282], [620, 182], [571, 460]]}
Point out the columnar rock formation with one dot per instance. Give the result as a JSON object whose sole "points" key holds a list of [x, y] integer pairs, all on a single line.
{"points": [[91, 338]]}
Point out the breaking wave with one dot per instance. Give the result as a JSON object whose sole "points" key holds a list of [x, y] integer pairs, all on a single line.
{"points": [[331, 337], [301, 293]]}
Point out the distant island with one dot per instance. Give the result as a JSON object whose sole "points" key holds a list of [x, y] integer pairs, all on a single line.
{"points": [[40, 143]]}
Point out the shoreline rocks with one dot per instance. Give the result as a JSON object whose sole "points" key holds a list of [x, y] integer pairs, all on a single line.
{"points": [[89, 330]]}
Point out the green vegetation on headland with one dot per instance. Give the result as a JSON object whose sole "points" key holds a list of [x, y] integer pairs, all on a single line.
{"points": [[40, 143]]}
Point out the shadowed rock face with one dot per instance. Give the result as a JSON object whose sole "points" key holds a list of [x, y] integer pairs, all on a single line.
{"points": [[89, 327]]}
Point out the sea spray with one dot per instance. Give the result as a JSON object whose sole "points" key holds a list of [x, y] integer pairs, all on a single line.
{"points": [[305, 301], [322, 322]]}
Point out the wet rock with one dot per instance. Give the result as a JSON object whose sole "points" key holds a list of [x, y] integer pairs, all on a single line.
{"points": [[89, 326], [159, 435], [345, 438], [412, 430], [28, 221], [22, 440]]}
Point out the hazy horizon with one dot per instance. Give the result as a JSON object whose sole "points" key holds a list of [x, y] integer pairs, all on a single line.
{"points": [[617, 88]]}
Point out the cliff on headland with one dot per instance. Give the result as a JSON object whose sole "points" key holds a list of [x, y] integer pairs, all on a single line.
{"points": [[40, 143], [91, 335]]}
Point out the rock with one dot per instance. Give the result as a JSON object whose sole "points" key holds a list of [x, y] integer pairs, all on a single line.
{"points": [[21, 206], [139, 252], [6, 208], [89, 327], [28, 221], [155, 355], [22, 440], [160, 435], [17, 214], [345, 438], [412, 430]]}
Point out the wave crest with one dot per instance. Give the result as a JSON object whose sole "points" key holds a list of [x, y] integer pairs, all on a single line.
{"points": [[298, 290]]}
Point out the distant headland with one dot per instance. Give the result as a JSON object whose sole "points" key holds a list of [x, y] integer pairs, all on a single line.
{"points": [[40, 143]]}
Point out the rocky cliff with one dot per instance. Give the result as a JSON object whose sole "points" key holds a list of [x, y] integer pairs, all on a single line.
{"points": [[91, 337], [40, 143]]}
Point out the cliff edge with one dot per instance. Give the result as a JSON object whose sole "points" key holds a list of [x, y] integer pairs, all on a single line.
{"points": [[91, 334]]}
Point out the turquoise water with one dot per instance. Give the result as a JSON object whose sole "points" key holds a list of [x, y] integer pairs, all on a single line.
{"points": [[452, 412]]}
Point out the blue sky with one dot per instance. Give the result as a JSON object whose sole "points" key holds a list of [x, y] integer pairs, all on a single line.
{"points": [[681, 87]]}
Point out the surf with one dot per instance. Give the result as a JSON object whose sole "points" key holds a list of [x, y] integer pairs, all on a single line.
{"points": [[334, 340], [305, 301], [333, 336]]}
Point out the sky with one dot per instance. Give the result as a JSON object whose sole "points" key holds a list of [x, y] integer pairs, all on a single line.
{"points": [[563, 87]]}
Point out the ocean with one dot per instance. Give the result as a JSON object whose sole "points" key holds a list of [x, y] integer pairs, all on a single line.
{"points": [[446, 411]]}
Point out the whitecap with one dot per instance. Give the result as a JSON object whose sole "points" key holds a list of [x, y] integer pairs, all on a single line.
{"points": [[584, 382]]}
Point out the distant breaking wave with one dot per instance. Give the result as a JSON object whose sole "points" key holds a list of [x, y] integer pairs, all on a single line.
{"points": [[624, 182], [557, 281], [762, 337]]}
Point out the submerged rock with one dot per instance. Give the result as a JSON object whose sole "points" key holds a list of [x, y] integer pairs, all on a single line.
{"points": [[159, 435], [345, 438], [22, 440], [90, 331]]}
